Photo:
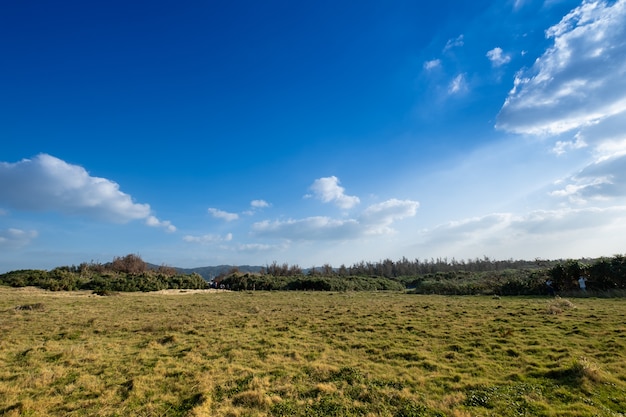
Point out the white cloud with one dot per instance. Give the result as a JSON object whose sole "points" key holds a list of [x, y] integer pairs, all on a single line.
{"points": [[310, 228], [554, 222], [46, 183], [375, 220], [569, 190], [548, 234], [607, 138], [166, 224], [432, 64], [16, 238], [457, 85], [454, 43], [258, 247], [379, 217], [579, 81], [224, 215], [497, 57], [602, 180], [610, 149], [328, 190], [562, 147], [256, 205], [578, 88], [208, 238], [467, 229], [259, 204], [518, 4]]}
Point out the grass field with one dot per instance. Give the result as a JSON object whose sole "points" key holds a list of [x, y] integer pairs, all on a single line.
{"points": [[309, 354]]}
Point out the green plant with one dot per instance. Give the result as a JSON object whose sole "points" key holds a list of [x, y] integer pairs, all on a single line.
{"points": [[308, 353]]}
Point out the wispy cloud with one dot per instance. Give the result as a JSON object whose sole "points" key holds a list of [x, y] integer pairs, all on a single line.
{"points": [[258, 247], [374, 220], [166, 224], [208, 238], [578, 82], [46, 183], [562, 146], [607, 138], [255, 206], [603, 180], [457, 85], [577, 89], [518, 4], [432, 64], [498, 57], [454, 43], [328, 190], [259, 204], [378, 218], [539, 233], [16, 238], [467, 230], [224, 215], [310, 228]]}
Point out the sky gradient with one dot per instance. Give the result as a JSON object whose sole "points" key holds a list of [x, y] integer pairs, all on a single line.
{"points": [[206, 133]]}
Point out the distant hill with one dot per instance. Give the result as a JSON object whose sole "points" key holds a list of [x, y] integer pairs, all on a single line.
{"points": [[210, 272]]}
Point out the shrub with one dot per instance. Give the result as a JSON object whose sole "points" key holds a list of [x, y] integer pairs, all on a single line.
{"points": [[105, 293], [130, 264], [30, 307]]}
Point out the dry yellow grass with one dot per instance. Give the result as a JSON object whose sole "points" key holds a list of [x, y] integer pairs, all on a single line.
{"points": [[308, 354]]}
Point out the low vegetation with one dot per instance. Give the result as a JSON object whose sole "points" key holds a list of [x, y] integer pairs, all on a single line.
{"points": [[129, 273], [605, 277], [253, 353]]}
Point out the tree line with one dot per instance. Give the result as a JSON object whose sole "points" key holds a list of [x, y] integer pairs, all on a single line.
{"points": [[128, 273], [439, 276], [434, 276], [404, 267], [603, 274], [250, 281]]}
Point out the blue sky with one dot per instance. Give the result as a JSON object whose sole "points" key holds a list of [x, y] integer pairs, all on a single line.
{"points": [[242, 132]]}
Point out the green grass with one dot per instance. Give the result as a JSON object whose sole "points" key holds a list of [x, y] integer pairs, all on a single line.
{"points": [[309, 354]]}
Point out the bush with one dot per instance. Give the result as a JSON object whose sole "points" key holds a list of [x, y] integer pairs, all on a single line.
{"points": [[130, 264], [105, 293], [30, 307]]}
